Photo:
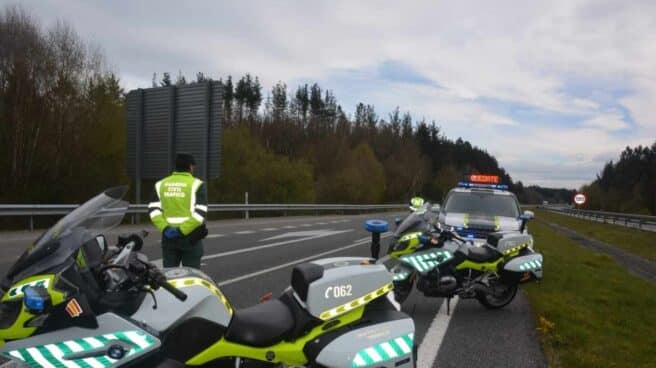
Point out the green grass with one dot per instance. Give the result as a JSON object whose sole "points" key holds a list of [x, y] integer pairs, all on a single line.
{"points": [[642, 243], [589, 311]]}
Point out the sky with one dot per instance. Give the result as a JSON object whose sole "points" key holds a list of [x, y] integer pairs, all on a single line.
{"points": [[552, 89]]}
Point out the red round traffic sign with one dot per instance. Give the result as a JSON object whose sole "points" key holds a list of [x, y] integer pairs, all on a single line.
{"points": [[580, 199]]}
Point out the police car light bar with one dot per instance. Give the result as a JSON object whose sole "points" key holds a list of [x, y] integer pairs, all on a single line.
{"points": [[483, 179], [466, 184]]}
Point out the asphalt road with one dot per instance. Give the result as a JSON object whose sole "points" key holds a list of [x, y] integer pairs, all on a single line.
{"points": [[249, 258]]}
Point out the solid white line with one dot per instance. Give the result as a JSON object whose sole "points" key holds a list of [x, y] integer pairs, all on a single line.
{"points": [[278, 267], [434, 337]]}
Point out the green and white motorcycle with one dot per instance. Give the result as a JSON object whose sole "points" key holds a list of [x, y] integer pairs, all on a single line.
{"points": [[71, 300], [442, 264]]}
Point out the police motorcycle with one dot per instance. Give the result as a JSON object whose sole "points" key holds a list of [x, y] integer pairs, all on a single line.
{"points": [[443, 264], [72, 300]]}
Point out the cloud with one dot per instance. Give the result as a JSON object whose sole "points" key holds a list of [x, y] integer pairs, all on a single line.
{"points": [[553, 85], [610, 121]]}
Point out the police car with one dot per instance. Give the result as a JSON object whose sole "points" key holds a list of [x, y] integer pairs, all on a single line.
{"points": [[480, 206]]}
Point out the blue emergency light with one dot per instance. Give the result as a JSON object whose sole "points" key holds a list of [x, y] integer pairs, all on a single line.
{"points": [[36, 299], [465, 184]]}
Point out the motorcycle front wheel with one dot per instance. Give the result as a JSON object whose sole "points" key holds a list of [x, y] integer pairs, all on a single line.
{"points": [[500, 296]]}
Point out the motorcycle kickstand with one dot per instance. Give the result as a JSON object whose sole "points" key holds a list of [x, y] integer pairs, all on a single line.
{"points": [[448, 306]]}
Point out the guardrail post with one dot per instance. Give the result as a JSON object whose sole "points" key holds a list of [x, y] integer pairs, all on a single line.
{"points": [[246, 202], [31, 223]]}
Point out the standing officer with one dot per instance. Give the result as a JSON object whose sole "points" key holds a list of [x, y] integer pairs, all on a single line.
{"points": [[180, 214], [416, 203]]}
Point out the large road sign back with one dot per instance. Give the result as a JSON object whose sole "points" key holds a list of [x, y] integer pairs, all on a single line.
{"points": [[163, 121]]}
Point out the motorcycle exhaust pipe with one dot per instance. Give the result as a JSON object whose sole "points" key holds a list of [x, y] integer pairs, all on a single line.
{"points": [[480, 289]]}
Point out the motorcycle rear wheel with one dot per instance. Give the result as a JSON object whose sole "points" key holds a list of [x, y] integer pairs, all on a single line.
{"points": [[505, 295]]}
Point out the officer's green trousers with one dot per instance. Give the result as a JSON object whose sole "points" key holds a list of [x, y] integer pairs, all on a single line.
{"points": [[176, 251]]}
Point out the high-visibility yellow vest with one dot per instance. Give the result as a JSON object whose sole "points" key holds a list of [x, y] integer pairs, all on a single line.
{"points": [[177, 205]]}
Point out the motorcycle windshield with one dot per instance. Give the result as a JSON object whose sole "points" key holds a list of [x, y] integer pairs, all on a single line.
{"points": [[413, 221], [59, 243]]}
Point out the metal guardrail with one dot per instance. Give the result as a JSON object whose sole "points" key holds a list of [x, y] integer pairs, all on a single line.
{"points": [[34, 210], [643, 222]]}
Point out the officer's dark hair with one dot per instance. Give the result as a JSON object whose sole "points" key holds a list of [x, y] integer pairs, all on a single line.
{"points": [[184, 161]]}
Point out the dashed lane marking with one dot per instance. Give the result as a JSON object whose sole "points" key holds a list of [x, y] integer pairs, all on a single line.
{"points": [[211, 236], [269, 229], [301, 260]]}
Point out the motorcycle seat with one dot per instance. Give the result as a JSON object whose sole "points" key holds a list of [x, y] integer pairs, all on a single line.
{"points": [[261, 325], [482, 254]]}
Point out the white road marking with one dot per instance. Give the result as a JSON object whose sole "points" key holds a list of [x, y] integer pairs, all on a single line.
{"points": [[277, 244], [269, 229], [321, 223], [297, 234], [244, 232], [305, 225], [432, 341], [289, 227], [301, 260], [212, 236], [322, 234]]}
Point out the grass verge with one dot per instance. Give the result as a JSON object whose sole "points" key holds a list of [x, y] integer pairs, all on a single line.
{"points": [[589, 311], [638, 242]]}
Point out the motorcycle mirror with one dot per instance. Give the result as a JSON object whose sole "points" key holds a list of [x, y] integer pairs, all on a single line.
{"points": [[124, 239]]}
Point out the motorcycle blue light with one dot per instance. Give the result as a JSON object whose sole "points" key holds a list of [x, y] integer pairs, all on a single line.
{"points": [[36, 300]]}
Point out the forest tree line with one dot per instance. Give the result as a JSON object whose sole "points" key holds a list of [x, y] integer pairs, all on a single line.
{"points": [[628, 185], [62, 133]]}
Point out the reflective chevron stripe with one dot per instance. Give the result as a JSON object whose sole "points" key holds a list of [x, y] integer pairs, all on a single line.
{"points": [[534, 264], [385, 351], [427, 261], [191, 281], [338, 311], [400, 276], [52, 355]]}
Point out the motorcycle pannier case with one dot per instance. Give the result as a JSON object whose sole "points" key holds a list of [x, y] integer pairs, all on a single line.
{"points": [[333, 287]]}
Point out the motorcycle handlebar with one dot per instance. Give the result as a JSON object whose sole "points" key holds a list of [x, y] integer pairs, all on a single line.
{"points": [[179, 294], [160, 281]]}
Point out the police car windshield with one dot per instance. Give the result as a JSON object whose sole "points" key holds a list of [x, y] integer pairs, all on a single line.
{"points": [[481, 203]]}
